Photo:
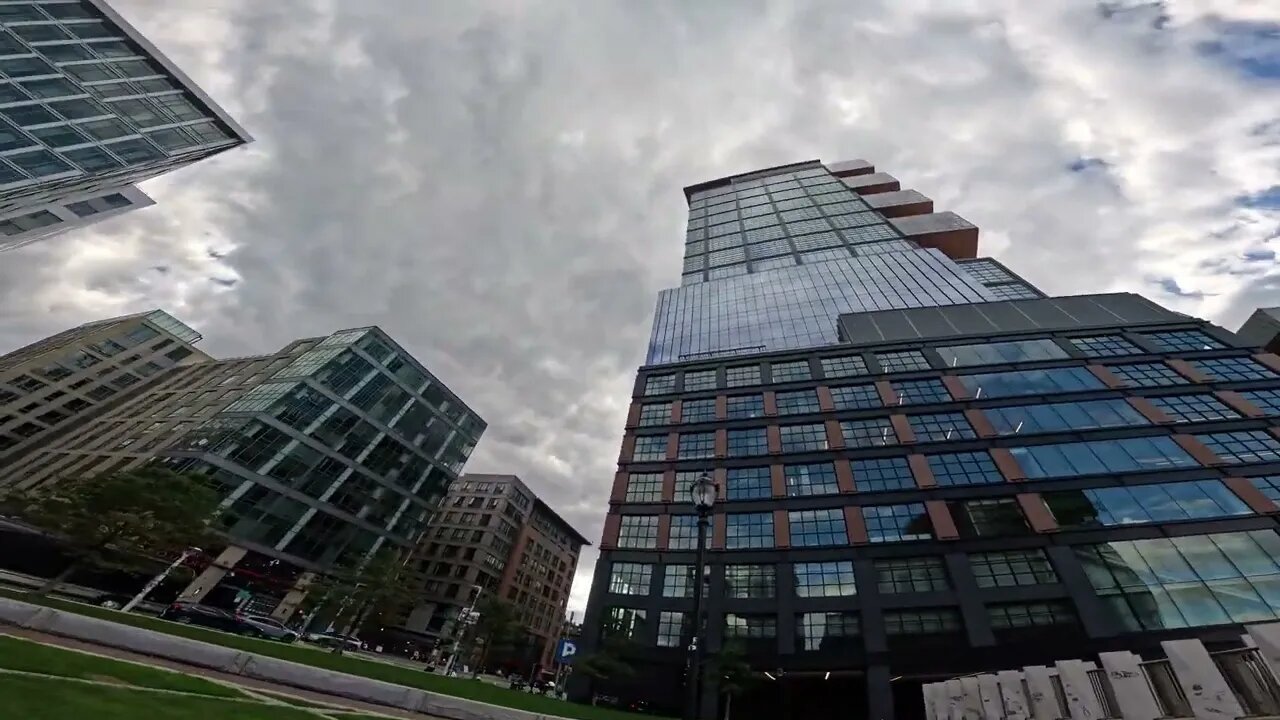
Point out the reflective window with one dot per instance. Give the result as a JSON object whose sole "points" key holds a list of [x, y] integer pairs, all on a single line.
{"points": [[1194, 408], [896, 523], [845, 366], [750, 581], [1058, 417], [1009, 568], [988, 517], [1129, 505], [1031, 382], [812, 479], [871, 432], [673, 626], [837, 631], [803, 438], [624, 622], [1182, 340], [1187, 581], [655, 414], [698, 411], [797, 402], [1105, 346], [964, 468], [1102, 456], [1268, 485], [1233, 369], [644, 487], [630, 578], [684, 533], [790, 371], [748, 530], [1152, 374], [748, 484], [814, 528], [699, 380], [737, 625], [1249, 446], [911, 575], [902, 361], [638, 531], [916, 392], [875, 474], [696, 446], [659, 384], [745, 406], [650, 448], [1267, 400], [855, 397], [748, 443], [677, 581], [1001, 352], [928, 621], [940, 427], [1006, 616], [833, 578], [742, 376]]}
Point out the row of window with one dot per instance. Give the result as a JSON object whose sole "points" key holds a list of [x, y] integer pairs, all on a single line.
{"points": [[987, 353], [982, 517]]}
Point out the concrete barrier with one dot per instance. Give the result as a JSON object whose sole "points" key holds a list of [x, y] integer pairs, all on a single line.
{"points": [[259, 667]]}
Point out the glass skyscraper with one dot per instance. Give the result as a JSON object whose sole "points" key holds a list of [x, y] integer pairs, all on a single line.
{"points": [[88, 107], [925, 466]]}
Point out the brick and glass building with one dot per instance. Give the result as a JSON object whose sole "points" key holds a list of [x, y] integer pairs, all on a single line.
{"points": [[323, 451], [494, 535], [88, 108], [925, 466]]}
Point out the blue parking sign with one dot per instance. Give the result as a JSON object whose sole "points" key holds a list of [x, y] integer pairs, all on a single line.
{"points": [[565, 650]]}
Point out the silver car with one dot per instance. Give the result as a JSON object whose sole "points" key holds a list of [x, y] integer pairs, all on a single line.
{"points": [[268, 627]]}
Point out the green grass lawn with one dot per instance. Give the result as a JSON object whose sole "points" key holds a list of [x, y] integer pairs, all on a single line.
{"points": [[27, 656], [33, 698], [431, 682]]}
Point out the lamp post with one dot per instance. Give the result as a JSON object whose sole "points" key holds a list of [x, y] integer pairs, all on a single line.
{"points": [[155, 581], [703, 493]]}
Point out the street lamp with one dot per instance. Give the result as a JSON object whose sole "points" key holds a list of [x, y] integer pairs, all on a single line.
{"points": [[703, 493], [155, 581]]}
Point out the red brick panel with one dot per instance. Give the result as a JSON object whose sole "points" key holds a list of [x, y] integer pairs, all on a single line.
{"points": [[1107, 377], [633, 415], [778, 481], [902, 429], [981, 425], [673, 446], [888, 397], [826, 403], [719, 531], [722, 443], [677, 411], [1038, 515], [721, 476], [609, 538], [722, 407], [835, 437], [844, 476], [619, 492], [1008, 465], [1197, 450], [1240, 404], [628, 448], [1268, 359], [669, 486], [1149, 411], [664, 531], [944, 528], [781, 529], [921, 471], [1188, 371], [855, 526], [1251, 496], [774, 436], [956, 387], [770, 404]]}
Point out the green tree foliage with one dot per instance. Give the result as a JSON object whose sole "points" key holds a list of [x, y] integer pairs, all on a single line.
{"points": [[612, 660], [730, 670], [130, 520], [497, 628], [370, 593]]}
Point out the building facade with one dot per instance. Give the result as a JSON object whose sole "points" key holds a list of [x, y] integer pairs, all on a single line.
{"points": [[494, 535], [323, 452], [88, 108], [936, 488]]}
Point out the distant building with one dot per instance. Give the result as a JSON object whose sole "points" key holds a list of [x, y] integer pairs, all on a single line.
{"points": [[88, 108], [493, 533], [324, 451], [1262, 329]]}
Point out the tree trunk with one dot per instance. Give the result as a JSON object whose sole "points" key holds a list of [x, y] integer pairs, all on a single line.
{"points": [[728, 703], [56, 581]]}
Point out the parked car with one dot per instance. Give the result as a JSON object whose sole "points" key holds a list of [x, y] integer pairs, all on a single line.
{"points": [[189, 613], [331, 640], [111, 601], [268, 627]]}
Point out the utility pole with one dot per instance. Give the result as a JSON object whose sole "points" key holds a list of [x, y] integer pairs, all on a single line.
{"points": [[155, 581], [465, 618]]}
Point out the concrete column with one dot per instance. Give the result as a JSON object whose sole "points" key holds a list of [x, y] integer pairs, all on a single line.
{"points": [[954, 707], [977, 624], [1044, 703], [294, 597], [971, 704], [1082, 701], [1134, 700], [879, 693], [1207, 691], [1094, 616], [1012, 695], [785, 591], [212, 575], [873, 635], [989, 695]]}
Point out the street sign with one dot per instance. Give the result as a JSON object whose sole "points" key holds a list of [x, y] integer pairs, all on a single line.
{"points": [[565, 650]]}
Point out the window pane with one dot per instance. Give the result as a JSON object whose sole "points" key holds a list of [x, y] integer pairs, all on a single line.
{"points": [[1057, 417], [825, 579], [630, 578], [1031, 382], [811, 479], [896, 523], [967, 468], [911, 575], [814, 528], [1103, 456], [748, 484], [1250, 446], [1105, 346], [1011, 568], [750, 581], [748, 530], [1001, 353]]}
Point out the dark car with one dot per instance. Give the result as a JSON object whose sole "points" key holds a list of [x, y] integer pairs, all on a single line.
{"points": [[195, 614]]}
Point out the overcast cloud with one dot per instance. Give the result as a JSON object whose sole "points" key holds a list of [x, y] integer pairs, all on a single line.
{"points": [[498, 184]]}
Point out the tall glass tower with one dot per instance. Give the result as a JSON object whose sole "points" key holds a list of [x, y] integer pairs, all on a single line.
{"points": [[924, 466]]}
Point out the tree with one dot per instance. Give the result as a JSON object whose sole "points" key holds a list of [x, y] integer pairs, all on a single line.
{"points": [[730, 669], [611, 660], [496, 627], [128, 520], [369, 592]]}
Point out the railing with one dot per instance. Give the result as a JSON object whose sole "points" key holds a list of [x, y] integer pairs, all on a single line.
{"points": [[1252, 682], [1168, 694], [1106, 696]]}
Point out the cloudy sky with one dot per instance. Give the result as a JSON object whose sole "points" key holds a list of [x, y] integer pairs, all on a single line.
{"points": [[498, 184]]}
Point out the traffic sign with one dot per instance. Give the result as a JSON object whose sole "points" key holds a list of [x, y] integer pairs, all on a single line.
{"points": [[565, 650]]}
